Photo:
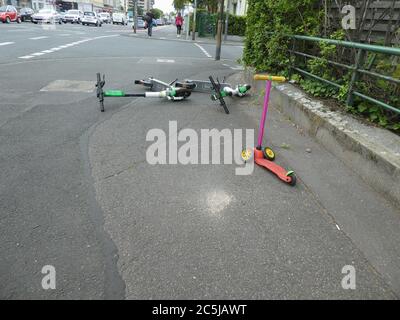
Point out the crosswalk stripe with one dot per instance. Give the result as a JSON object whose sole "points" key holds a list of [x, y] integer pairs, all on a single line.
{"points": [[5, 43], [38, 38]]}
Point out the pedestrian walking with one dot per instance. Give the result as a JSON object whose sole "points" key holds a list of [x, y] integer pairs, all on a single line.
{"points": [[149, 17], [178, 23]]}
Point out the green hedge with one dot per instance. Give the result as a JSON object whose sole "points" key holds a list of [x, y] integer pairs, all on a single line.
{"points": [[266, 49], [268, 21], [236, 24]]}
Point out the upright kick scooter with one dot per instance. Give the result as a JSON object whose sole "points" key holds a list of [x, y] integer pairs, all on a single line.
{"points": [[265, 156]]}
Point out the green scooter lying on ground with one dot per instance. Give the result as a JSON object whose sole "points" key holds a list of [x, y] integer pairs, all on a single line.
{"points": [[174, 91]]}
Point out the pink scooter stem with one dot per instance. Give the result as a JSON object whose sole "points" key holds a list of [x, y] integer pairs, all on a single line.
{"points": [[264, 114]]}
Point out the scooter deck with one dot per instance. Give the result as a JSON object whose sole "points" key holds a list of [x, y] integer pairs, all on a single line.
{"points": [[203, 86], [194, 85], [279, 171]]}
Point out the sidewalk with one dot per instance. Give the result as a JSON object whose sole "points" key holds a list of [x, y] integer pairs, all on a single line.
{"points": [[169, 33], [201, 232]]}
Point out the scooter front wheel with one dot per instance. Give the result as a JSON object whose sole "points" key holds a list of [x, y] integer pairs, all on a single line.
{"points": [[269, 154]]}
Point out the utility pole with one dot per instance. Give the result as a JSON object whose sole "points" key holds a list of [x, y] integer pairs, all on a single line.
{"points": [[194, 21], [188, 24], [219, 31], [135, 21], [228, 6]]}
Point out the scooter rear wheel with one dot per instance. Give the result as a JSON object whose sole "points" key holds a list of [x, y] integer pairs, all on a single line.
{"points": [[293, 179], [269, 154]]}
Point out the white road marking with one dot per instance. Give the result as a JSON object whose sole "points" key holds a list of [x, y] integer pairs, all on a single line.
{"points": [[202, 49], [69, 86], [5, 43], [165, 60], [38, 38], [237, 68], [65, 34], [337, 227], [32, 55]]}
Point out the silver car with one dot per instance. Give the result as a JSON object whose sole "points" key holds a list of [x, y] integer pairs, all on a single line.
{"points": [[47, 16]]}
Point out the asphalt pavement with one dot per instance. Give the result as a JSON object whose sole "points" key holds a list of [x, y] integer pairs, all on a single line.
{"points": [[77, 193]]}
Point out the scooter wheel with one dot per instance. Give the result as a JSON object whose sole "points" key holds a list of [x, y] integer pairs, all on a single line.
{"points": [[269, 154], [293, 179], [246, 155]]}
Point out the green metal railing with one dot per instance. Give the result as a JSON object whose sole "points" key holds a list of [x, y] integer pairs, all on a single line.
{"points": [[355, 69]]}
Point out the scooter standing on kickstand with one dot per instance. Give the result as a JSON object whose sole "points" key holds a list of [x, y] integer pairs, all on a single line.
{"points": [[265, 156]]}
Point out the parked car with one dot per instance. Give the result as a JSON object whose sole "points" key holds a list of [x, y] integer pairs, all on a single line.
{"points": [[9, 14], [105, 17], [140, 23], [119, 18], [47, 16], [160, 22], [73, 16], [26, 14], [91, 18]]}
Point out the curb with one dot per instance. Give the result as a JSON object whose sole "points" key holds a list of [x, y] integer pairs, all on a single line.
{"points": [[375, 157], [144, 36]]}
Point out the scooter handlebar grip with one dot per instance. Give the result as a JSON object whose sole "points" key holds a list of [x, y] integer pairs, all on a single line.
{"points": [[268, 77]]}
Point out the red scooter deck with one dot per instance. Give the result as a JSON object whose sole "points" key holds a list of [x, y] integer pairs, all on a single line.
{"points": [[280, 172]]}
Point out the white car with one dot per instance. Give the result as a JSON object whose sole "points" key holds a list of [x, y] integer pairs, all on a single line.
{"points": [[119, 18], [91, 18], [140, 23], [105, 17], [73, 16], [46, 16]]}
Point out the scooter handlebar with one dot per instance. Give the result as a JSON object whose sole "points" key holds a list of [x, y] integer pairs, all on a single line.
{"points": [[268, 77]]}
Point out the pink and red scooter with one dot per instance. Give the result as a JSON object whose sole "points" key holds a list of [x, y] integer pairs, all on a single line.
{"points": [[264, 157]]}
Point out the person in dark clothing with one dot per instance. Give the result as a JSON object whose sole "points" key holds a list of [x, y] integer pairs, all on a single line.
{"points": [[149, 17]]}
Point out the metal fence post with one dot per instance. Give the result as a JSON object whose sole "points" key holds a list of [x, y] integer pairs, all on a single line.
{"points": [[355, 76], [292, 63]]}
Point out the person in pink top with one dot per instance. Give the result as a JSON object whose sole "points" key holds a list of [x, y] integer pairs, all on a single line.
{"points": [[178, 23]]}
